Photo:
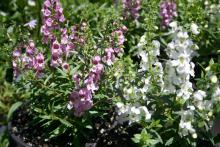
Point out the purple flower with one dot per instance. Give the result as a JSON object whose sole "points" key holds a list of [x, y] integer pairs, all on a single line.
{"points": [[39, 64], [76, 78], [80, 101], [131, 8], [47, 3], [96, 60], [65, 66], [31, 24], [167, 12], [30, 49], [16, 53], [46, 12]]}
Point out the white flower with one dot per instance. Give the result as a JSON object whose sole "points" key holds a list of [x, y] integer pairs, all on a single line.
{"points": [[31, 24], [70, 105], [182, 35], [31, 3], [194, 29], [216, 94], [135, 110], [156, 44], [194, 135], [144, 56], [214, 79], [119, 105], [173, 25], [185, 124], [145, 113], [199, 95], [142, 41], [191, 107]]}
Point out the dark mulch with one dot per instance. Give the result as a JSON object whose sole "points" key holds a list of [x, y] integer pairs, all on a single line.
{"points": [[105, 135]]}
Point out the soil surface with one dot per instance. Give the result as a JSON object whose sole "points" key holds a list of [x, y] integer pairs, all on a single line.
{"points": [[106, 133]]}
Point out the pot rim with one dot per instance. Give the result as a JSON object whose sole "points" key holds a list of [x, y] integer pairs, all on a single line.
{"points": [[15, 138]]}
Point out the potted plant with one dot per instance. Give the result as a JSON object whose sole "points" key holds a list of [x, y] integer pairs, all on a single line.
{"points": [[68, 75], [91, 87]]}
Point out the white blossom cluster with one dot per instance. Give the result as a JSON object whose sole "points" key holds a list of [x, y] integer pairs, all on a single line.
{"points": [[199, 97], [179, 67], [134, 110], [132, 113], [178, 70], [151, 66], [186, 122], [172, 76]]}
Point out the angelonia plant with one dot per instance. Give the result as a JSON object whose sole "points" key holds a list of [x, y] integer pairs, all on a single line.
{"points": [[138, 69], [65, 68], [64, 45]]}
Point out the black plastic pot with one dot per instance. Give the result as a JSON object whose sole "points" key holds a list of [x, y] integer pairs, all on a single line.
{"points": [[15, 141], [2, 129], [216, 129]]}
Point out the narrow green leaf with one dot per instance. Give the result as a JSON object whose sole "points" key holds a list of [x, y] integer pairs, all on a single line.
{"points": [[13, 108], [65, 122], [48, 78], [169, 142], [2, 105]]}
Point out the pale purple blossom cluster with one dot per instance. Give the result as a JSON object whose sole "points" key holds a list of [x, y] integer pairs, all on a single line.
{"points": [[62, 50], [28, 60], [81, 100], [62, 45], [117, 40], [131, 8], [167, 12], [52, 17]]}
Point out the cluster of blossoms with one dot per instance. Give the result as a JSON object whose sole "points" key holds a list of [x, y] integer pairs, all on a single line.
{"points": [[62, 45], [179, 67], [52, 17], [210, 90], [194, 29], [173, 79], [131, 8], [117, 40], [136, 112], [186, 122], [178, 71], [167, 12], [28, 60], [81, 99], [150, 64], [132, 113]]}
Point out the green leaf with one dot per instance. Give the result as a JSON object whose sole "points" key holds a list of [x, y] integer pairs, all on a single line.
{"points": [[89, 127], [2, 105], [65, 122], [169, 142], [158, 136], [13, 108], [62, 72], [93, 112], [137, 138], [48, 78], [58, 131]]}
